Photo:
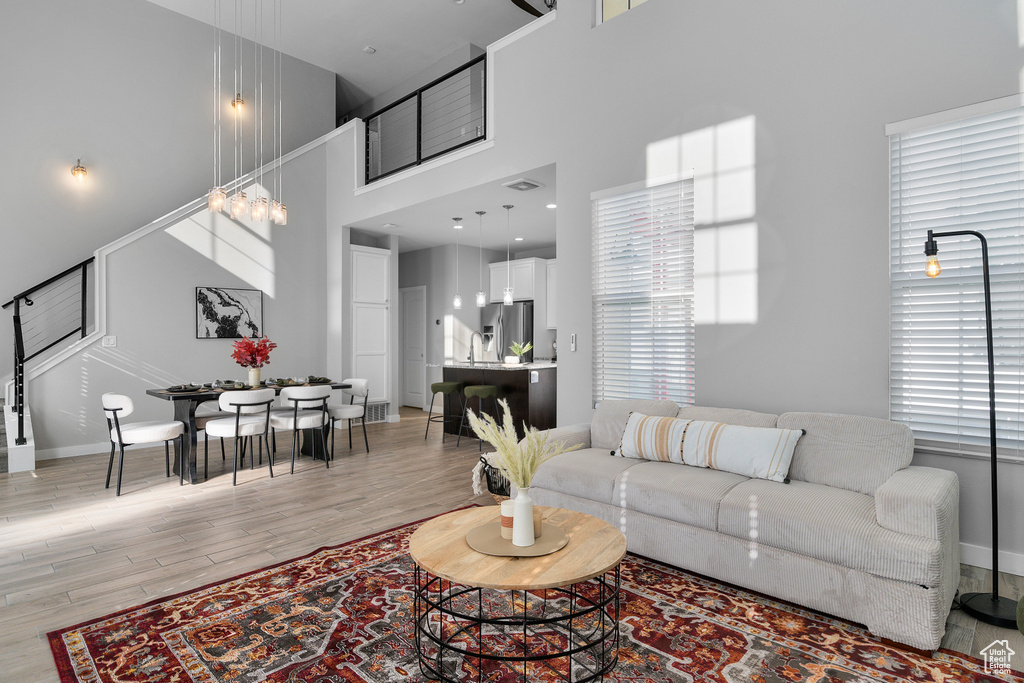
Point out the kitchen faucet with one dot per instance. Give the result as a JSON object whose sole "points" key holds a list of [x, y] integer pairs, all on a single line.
{"points": [[472, 358]]}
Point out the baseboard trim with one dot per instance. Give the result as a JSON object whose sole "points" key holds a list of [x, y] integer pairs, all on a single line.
{"points": [[981, 556], [85, 449]]}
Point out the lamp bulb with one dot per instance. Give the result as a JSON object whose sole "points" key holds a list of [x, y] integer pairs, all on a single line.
{"points": [[215, 199], [239, 206], [278, 213], [457, 301], [933, 269], [481, 299]]}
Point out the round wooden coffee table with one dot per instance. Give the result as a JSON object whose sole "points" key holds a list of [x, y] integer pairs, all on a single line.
{"points": [[553, 617]]}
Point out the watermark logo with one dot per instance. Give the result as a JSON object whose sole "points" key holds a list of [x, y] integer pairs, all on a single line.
{"points": [[997, 656]]}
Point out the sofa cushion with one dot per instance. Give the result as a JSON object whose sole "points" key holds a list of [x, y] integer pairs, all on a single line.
{"points": [[588, 473], [848, 451], [760, 452], [610, 418], [652, 438], [730, 416], [689, 495], [829, 524]]}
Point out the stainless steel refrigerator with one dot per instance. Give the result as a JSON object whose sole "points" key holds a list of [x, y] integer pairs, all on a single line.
{"points": [[501, 325]]}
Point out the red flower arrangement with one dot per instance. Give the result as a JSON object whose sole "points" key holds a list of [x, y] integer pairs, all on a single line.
{"points": [[253, 354]]}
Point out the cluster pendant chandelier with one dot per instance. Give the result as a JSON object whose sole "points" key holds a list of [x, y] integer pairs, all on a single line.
{"points": [[239, 207]]}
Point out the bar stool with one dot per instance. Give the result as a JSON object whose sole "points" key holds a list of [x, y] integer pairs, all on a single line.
{"points": [[480, 391], [446, 389]]}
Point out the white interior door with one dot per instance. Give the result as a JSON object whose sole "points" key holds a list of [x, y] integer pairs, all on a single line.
{"points": [[414, 346]]}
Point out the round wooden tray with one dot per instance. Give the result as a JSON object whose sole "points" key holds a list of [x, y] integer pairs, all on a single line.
{"points": [[487, 539]]}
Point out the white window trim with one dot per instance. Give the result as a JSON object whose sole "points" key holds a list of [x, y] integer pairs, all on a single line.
{"points": [[960, 218], [675, 373]]}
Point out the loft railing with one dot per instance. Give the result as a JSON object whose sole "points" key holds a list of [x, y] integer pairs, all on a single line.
{"points": [[440, 117], [44, 316]]}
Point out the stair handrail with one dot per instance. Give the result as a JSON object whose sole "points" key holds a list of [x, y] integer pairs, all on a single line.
{"points": [[49, 281], [19, 341]]}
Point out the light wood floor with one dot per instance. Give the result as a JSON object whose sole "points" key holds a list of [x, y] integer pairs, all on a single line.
{"points": [[70, 551]]}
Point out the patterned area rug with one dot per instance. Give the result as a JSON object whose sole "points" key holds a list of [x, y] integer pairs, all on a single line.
{"points": [[344, 614]]}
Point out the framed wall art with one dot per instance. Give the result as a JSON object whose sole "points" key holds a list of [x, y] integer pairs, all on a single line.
{"points": [[223, 313]]}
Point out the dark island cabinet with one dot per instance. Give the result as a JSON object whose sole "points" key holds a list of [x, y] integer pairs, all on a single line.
{"points": [[532, 402]]}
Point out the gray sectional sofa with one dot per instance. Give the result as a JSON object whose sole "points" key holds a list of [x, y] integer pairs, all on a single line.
{"points": [[856, 532]]}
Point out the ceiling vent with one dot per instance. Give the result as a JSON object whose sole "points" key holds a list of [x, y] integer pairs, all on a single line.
{"points": [[522, 184]]}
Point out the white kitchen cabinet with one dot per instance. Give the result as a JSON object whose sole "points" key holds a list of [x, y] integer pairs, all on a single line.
{"points": [[552, 283], [524, 274], [371, 348], [371, 319], [370, 275]]}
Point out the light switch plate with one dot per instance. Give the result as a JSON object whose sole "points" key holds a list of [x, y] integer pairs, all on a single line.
{"points": [[110, 341], [572, 341]]}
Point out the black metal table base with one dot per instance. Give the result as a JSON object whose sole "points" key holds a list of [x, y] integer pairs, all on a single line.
{"points": [[565, 634]]}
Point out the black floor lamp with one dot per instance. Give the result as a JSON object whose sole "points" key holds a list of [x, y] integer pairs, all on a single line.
{"points": [[989, 608]]}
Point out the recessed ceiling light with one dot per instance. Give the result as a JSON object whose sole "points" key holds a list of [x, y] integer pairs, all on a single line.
{"points": [[552, 206], [369, 50], [519, 239], [459, 2], [391, 225]]}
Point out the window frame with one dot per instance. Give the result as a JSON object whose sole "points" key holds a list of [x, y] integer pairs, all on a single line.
{"points": [[968, 202], [656, 283]]}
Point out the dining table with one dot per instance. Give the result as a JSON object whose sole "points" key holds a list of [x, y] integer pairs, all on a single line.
{"points": [[185, 402]]}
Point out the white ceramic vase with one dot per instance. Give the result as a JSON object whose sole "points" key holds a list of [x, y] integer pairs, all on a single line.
{"points": [[254, 377], [522, 519]]}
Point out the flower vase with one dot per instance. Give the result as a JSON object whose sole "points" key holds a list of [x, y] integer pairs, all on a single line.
{"points": [[254, 377], [522, 519]]}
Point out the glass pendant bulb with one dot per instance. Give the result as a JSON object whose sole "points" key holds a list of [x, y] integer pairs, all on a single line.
{"points": [[216, 199], [239, 205], [278, 213], [933, 269], [457, 302], [481, 299], [508, 296], [259, 209]]}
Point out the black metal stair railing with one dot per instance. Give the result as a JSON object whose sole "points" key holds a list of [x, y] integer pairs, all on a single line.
{"points": [[44, 316], [439, 118]]}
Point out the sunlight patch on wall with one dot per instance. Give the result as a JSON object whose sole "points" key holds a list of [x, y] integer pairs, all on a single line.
{"points": [[722, 159], [240, 247]]}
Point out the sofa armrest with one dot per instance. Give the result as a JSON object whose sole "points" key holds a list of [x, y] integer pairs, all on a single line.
{"points": [[570, 435], [920, 501]]}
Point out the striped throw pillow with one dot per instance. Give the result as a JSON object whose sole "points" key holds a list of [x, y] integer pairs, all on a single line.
{"points": [[653, 438], [759, 452]]}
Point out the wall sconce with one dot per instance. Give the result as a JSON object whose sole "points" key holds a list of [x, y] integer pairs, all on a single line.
{"points": [[78, 171]]}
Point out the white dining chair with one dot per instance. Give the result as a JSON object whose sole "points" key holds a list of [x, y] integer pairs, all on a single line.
{"points": [[360, 389], [307, 410], [201, 419], [250, 410], [117, 406]]}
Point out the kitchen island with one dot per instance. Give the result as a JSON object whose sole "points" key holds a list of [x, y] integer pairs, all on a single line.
{"points": [[529, 388]]}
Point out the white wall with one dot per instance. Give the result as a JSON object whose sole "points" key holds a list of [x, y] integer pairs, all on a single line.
{"points": [[127, 87], [821, 80], [449, 332], [151, 311]]}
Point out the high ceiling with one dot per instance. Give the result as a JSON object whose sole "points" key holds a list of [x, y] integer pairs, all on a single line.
{"points": [[429, 223], [408, 35]]}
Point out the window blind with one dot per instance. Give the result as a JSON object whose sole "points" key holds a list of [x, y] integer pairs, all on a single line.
{"points": [[958, 175], [643, 293]]}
